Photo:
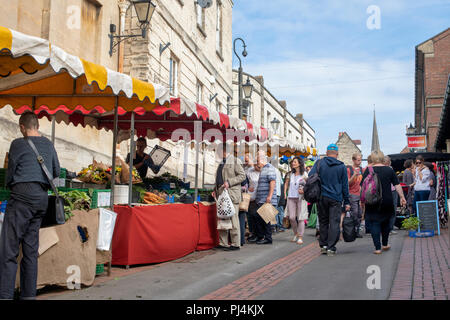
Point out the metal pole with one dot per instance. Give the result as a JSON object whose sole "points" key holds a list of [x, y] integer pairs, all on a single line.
{"points": [[197, 151], [240, 90], [113, 169], [130, 183], [53, 129], [204, 163]]}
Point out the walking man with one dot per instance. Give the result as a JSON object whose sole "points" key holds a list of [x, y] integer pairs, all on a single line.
{"points": [[26, 208], [334, 191], [354, 185], [266, 193], [230, 174]]}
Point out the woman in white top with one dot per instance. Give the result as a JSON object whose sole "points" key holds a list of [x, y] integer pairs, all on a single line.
{"points": [[296, 204]]}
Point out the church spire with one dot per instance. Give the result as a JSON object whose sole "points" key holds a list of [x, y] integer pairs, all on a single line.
{"points": [[375, 140]]}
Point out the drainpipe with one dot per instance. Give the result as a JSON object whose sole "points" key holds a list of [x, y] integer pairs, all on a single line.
{"points": [[123, 7]]}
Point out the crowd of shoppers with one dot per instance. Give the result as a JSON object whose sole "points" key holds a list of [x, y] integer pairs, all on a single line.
{"points": [[341, 189]]}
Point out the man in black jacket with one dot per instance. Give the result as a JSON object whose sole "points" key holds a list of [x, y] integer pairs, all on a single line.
{"points": [[26, 208]]}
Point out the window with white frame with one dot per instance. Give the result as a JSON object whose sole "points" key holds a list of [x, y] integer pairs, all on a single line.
{"points": [[199, 92], [173, 76], [200, 16], [219, 28], [218, 106]]}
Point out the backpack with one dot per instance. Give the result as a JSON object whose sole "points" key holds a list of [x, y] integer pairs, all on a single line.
{"points": [[312, 189], [371, 193]]}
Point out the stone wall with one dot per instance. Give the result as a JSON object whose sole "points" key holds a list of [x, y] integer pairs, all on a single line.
{"points": [[346, 149]]}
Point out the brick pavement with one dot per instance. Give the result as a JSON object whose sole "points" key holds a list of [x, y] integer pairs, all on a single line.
{"points": [[423, 271], [261, 280]]}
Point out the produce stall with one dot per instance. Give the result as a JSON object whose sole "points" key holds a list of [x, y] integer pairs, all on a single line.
{"points": [[43, 78]]}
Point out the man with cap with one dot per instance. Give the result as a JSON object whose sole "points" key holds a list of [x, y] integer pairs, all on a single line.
{"points": [[334, 191]]}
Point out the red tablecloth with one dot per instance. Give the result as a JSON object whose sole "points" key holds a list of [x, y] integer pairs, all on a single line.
{"points": [[208, 235], [153, 234]]}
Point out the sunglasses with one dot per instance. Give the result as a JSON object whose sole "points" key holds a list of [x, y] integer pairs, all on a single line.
{"points": [[418, 162]]}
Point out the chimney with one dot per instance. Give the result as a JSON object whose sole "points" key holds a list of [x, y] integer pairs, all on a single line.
{"points": [[260, 79], [283, 103]]}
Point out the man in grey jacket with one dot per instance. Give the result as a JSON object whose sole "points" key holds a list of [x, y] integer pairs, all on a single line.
{"points": [[230, 174], [26, 208]]}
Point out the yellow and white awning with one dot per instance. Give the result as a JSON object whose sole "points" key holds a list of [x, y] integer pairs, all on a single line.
{"points": [[35, 73]]}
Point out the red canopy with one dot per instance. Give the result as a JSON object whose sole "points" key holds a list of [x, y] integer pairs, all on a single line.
{"points": [[159, 123]]}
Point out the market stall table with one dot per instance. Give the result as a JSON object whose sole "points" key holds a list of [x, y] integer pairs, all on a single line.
{"points": [[157, 233]]}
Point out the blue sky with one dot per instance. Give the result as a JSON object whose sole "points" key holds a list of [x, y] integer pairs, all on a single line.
{"points": [[321, 57]]}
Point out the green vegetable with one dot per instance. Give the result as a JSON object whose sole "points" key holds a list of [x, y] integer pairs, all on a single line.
{"points": [[411, 223]]}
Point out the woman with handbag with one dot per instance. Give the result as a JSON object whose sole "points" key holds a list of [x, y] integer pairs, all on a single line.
{"points": [[296, 204]]}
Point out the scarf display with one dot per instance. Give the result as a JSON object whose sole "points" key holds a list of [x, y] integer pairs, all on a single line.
{"points": [[443, 190]]}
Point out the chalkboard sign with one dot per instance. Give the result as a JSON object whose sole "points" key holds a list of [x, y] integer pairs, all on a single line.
{"points": [[428, 214]]}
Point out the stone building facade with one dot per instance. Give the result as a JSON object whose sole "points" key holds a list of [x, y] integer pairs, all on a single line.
{"points": [[264, 108], [80, 27], [347, 147], [432, 70], [196, 65]]}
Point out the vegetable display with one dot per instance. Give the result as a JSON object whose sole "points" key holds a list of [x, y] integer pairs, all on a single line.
{"points": [[99, 173], [75, 200], [153, 198]]}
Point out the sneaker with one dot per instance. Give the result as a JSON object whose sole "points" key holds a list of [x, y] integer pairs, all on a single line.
{"points": [[264, 241], [323, 250], [295, 239], [252, 239], [393, 232], [331, 253], [299, 241]]}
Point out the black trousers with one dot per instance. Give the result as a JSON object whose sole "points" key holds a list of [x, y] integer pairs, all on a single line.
{"points": [[251, 217], [242, 215], [329, 222], [263, 230], [21, 226]]}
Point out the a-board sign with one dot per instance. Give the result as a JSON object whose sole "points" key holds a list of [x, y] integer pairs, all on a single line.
{"points": [[428, 214]]}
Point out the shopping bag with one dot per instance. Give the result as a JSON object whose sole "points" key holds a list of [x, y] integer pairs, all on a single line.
{"points": [[348, 228], [107, 222], [224, 224], [225, 207], [243, 206], [268, 213], [312, 221], [286, 223]]}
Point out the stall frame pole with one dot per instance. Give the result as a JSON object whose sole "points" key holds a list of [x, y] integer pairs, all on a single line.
{"points": [[132, 147], [113, 167], [53, 129], [197, 129]]}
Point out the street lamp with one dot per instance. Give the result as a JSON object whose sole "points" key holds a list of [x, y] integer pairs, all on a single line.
{"points": [[248, 89], [244, 54], [144, 11], [275, 123]]}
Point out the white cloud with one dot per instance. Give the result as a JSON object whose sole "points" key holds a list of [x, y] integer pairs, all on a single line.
{"points": [[339, 95]]}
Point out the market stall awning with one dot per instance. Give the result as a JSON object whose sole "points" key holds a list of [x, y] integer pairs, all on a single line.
{"points": [[37, 74], [161, 122]]}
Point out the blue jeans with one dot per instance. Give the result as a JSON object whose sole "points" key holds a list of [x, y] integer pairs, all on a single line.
{"points": [[280, 216], [380, 228], [420, 196]]}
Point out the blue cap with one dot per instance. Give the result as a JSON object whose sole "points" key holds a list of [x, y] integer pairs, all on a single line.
{"points": [[332, 147]]}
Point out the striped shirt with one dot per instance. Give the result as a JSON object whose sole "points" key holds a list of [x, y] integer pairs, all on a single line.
{"points": [[267, 175]]}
